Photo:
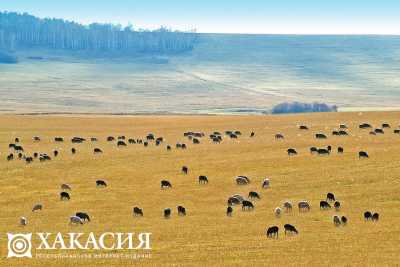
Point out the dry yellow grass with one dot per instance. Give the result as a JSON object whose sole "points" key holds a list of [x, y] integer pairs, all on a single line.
{"points": [[206, 236]]}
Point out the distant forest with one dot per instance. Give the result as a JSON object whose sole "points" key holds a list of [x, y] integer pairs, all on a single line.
{"points": [[26, 31], [297, 107]]}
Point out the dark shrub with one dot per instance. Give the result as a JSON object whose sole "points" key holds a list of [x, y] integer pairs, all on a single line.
{"points": [[297, 107]]}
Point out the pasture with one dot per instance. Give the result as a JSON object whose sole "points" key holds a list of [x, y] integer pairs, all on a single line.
{"points": [[224, 74], [206, 235]]}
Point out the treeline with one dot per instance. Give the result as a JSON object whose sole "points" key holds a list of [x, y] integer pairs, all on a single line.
{"points": [[24, 30], [297, 107]]}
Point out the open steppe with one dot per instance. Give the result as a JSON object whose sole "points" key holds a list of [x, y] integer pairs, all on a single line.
{"points": [[206, 236]]}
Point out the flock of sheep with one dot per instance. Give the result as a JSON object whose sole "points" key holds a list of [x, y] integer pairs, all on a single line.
{"points": [[196, 138]]}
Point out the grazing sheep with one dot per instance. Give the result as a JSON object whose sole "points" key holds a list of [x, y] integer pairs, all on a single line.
{"points": [[279, 136], [364, 126], [196, 141], [121, 143], [73, 150], [304, 206], [320, 136], [253, 195], [273, 231], [59, 139], [336, 220], [10, 157], [247, 205], [37, 207], [235, 200], [313, 150], [167, 213], [323, 151], [44, 157], [217, 140], [23, 221], [330, 197], [66, 187], [203, 179], [287, 205], [290, 229], [324, 205], [101, 183], [291, 152], [363, 154], [168, 148], [18, 148], [367, 215], [233, 136], [337, 205], [185, 170], [97, 151], [75, 220], [229, 211], [385, 125], [137, 211], [64, 196], [84, 216], [375, 217], [266, 183], [242, 180], [165, 184], [110, 139], [303, 127], [278, 212], [252, 134], [340, 150], [344, 220], [181, 211]]}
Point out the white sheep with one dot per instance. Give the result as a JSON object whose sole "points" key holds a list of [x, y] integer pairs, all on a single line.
{"points": [[266, 183], [75, 220]]}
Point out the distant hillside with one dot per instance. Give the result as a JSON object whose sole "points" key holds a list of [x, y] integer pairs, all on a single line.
{"points": [[26, 31]]}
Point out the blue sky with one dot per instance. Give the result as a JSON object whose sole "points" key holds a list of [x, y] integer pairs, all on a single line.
{"points": [[230, 16]]}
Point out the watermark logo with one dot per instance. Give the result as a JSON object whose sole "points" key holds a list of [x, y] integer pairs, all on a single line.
{"points": [[23, 245], [19, 245]]}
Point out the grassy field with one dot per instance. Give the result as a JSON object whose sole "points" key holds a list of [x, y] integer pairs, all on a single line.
{"points": [[223, 74], [206, 236]]}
